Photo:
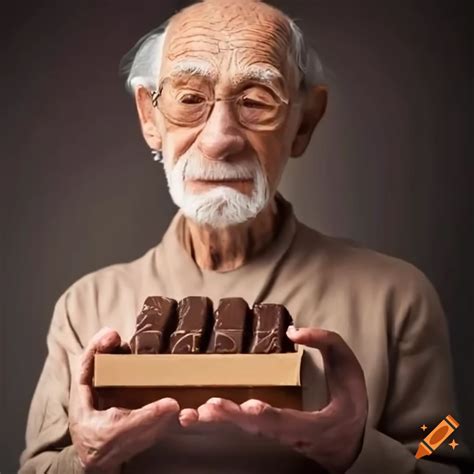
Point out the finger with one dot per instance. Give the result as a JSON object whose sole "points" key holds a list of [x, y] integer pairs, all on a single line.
{"points": [[259, 418], [81, 401], [139, 429], [106, 340], [85, 397], [224, 404], [219, 409], [270, 421], [285, 425], [153, 413], [188, 417], [344, 374], [124, 348], [254, 407], [246, 416], [135, 431]]}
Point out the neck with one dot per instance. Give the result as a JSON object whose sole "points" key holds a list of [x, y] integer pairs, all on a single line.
{"points": [[228, 248]]}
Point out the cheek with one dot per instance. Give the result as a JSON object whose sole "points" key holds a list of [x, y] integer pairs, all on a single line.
{"points": [[176, 140], [273, 152]]}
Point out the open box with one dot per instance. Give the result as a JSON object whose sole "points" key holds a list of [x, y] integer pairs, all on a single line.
{"points": [[133, 380]]}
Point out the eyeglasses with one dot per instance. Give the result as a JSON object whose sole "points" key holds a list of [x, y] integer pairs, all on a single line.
{"points": [[255, 108]]}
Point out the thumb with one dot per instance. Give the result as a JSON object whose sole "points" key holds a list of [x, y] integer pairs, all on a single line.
{"points": [[106, 340], [344, 374]]}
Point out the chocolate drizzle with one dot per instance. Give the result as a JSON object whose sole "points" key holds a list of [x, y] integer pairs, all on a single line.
{"points": [[194, 326], [190, 327], [230, 327], [154, 325], [270, 322]]}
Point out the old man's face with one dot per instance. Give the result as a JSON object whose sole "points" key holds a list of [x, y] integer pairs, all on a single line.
{"points": [[228, 108]]}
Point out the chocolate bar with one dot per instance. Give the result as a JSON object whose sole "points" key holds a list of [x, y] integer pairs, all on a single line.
{"points": [[231, 320], [270, 322], [189, 327], [155, 323], [194, 326]]}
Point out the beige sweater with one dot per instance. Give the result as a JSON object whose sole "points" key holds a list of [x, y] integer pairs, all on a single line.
{"points": [[384, 308]]}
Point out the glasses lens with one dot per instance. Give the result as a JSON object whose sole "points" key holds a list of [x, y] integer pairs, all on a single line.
{"points": [[190, 104], [259, 110], [183, 106]]}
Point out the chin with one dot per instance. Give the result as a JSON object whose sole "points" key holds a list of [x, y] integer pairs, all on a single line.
{"points": [[220, 207]]}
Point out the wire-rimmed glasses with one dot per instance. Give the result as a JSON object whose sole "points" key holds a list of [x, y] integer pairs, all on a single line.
{"points": [[255, 108]]}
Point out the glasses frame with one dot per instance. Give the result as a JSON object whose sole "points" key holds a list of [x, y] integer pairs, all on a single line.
{"points": [[155, 94]]}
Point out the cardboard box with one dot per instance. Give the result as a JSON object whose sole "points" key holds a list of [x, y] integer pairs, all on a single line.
{"points": [[131, 380]]}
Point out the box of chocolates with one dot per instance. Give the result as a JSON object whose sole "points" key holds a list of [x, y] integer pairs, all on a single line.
{"points": [[191, 352]]}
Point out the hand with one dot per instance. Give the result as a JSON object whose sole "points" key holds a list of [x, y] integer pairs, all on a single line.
{"points": [[103, 440], [332, 436]]}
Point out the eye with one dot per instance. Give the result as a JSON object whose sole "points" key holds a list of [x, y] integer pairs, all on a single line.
{"points": [[191, 99], [253, 104]]}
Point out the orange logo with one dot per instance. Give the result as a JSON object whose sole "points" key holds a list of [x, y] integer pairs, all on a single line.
{"points": [[437, 437]]}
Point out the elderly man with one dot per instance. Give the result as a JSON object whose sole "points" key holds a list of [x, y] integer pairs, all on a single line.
{"points": [[226, 93]]}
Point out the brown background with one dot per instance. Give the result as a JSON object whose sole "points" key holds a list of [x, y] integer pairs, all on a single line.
{"points": [[389, 165]]}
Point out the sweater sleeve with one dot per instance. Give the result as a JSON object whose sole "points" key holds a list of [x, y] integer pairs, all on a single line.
{"points": [[48, 444], [420, 390]]}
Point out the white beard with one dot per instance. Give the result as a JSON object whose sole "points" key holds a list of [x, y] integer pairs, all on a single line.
{"points": [[222, 206]]}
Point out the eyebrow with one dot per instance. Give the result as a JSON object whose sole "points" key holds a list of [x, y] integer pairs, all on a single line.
{"points": [[260, 74], [193, 67], [264, 75]]}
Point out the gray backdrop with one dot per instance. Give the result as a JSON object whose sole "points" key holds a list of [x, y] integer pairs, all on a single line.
{"points": [[388, 166]]}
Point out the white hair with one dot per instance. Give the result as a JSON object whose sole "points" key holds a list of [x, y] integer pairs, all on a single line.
{"points": [[142, 64], [221, 206]]}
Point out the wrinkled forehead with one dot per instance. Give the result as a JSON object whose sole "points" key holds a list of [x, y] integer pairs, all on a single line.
{"points": [[230, 38]]}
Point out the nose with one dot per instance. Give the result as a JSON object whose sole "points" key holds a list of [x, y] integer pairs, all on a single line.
{"points": [[222, 136]]}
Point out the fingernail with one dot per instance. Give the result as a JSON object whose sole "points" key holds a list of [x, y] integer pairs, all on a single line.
{"points": [[291, 329]]}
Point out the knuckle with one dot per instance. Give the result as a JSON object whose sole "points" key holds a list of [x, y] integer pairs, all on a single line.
{"points": [[256, 407], [215, 401], [155, 411], [114, 414], [253, 401], [102, 341], [206, 413], [256, 410], [90, 458], [107, 340], [158, 409], [168, 402], [330, 337], [78, 423], [213, 409]]}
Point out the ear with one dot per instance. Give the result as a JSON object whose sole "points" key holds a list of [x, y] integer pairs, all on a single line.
{"points": [[147, 117], [315, 101]]}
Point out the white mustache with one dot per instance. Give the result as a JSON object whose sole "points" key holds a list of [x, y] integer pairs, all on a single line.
{"points": [[197, 168], [221, 206]]}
